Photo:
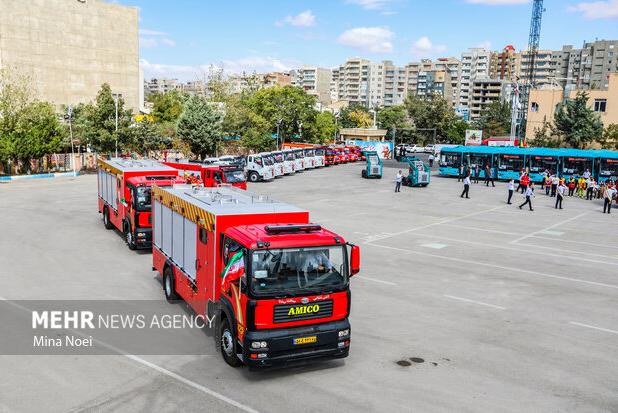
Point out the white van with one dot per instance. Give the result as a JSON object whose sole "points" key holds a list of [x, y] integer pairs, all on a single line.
{"points": [[260, 168], [289, 161]]}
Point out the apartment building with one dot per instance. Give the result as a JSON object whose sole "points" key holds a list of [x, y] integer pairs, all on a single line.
{"points": [[505, 65], [588, 67], [353, 85], [277, 78], [161, 85], [315, 81], [543, 72], [482, 93], [434, 82], [474, 66], [452, 68]]}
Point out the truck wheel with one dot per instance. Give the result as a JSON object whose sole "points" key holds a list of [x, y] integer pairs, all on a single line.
{"points": [[228, 344], [379, 176], [253, 176], [129, 237], [106, 221], [364, 173], [169, 286]]}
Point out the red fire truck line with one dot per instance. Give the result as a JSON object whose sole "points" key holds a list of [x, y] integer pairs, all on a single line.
{"points": [[213, 175], [276, 286], [124, 187]]}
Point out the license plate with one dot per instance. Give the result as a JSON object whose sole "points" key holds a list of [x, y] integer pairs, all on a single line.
{"points": [[305, 340]]}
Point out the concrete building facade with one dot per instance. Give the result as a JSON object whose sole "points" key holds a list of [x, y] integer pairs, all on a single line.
{"points": [[482, 93], [71, 47], [475, 64], [315, 81]]}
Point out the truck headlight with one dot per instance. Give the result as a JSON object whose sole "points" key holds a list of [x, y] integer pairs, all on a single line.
{"points": [[344, 333], [258, 344]]}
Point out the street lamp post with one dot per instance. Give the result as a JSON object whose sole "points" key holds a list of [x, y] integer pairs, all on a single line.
{"points": [[278, 127], [300, 131], [70, 116], [115, 95]]}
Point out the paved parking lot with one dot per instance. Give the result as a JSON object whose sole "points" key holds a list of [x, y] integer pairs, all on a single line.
{"points": [[461, 305]]}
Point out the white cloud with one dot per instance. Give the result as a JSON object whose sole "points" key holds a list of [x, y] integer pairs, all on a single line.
{"points": [[485, 45], [423, 47], [148, 42], [168, 42], [497, 2], [370, 4], [597, 9], [259, 64], [304, 19], [368, 39]]}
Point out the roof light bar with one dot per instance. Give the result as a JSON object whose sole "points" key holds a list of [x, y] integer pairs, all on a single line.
{"points": [[280, 229]]}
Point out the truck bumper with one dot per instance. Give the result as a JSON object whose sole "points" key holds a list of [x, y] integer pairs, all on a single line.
{"points": [[282, 350], [143, 238]]}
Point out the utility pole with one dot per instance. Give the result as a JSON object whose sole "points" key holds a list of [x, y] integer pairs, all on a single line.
{"points": [[70, 116], [278, 126]]}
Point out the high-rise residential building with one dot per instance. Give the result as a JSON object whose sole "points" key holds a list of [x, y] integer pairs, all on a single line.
{"points": [[474, 66], [434, 82], [277, 79], [315, 81], [354, 81], [70, 48], [412, 71], [334, 85], [162, 85], [505, 65], [452, 68], [588, 67], [543, 72], [387, 84], [484, 91]]}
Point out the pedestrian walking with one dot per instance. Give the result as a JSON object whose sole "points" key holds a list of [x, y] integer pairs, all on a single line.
{"points": [[524, 181], [560, 192], [430, 159], [544, 176], [610, 194], [590, 184], [466, 189], [554, 184], [489, 176], [477, 173], [511, 187], [519, 186], [398, 180], [460, 177], [529, 195]]}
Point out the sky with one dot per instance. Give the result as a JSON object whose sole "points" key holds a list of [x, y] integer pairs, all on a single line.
{"points": [[182, 38]]}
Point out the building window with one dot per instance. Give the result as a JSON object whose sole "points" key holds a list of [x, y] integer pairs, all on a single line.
{"points": [[600, 105], [534, 107]]}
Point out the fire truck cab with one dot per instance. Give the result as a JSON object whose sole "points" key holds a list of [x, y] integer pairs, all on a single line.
{"points": [[275, 286], [260, 168], [124, 196], [212, 175]]}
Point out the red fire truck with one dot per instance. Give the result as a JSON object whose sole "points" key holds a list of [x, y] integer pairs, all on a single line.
{"points": [[274, 286], [213, 175], [124, 187]]}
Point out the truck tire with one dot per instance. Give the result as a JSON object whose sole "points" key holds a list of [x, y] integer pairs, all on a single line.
{"points": [[129, 237], [364, 173], [169, 286], [227, 343], [106, 222], [253, 176]]}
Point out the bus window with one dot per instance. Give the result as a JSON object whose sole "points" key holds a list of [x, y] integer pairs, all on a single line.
{"points": [[478, 159], [609, 168], [538, 164], [452, 160], [510, 163], [576, 166]]}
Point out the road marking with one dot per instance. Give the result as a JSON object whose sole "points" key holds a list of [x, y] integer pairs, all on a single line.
{"points": [[435, 246], [532, 234], [444, 221], [594, 244], [547, 232], [607, 330], [541, 274], [155, 367], [467, 300], [482, 229], [362, 277]]}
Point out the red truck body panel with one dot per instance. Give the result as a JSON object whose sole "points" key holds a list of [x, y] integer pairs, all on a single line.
{"points": [[210, 175]]}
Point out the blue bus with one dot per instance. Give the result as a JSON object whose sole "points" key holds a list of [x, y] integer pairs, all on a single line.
{"points": [[507, 161]]}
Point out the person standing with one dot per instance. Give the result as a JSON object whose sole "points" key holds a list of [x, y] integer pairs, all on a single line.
{"points": [[554, 184], [521, 177], [430, 159], [524, 181], [466, 189], [560, 191], [589, 188], [398, 180], [511, 187], [529, 195], [571, 185], [587, 174], [460, 177], [489, 176], [610, 194], [477, 173]]}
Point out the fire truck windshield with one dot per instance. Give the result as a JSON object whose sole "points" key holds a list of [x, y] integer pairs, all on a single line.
{"points": [[319, 152], [234, 176], [296, 271], [142, 198]]}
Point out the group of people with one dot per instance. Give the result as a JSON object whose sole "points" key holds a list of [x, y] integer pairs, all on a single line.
{"points": [[583, 186]]}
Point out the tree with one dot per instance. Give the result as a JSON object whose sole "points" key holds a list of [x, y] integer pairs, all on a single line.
{"points": [[147, 137], [610, 136], [543, 137], [167, 107], [199, 126], [392, 118], [576, 123], [456, 133], [495, 120], [433, 112], [326, 127], [15, 95], [355, 116], [292, 106]]}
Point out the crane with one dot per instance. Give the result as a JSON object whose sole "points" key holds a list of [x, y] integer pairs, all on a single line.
{"points": [[533, 48]]}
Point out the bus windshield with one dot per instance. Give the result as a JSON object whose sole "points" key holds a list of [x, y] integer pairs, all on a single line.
{"points": [[293, 271], [319, 152], [234, 176], [289, 156]]}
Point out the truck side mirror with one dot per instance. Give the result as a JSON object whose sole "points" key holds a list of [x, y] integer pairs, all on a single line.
{"points": [[354, 259]]}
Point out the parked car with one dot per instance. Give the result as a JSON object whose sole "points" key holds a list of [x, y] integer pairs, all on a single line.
{"points": [[430, 148]]}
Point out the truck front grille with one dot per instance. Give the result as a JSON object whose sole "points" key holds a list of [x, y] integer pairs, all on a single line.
{"points": [[285, 313]]}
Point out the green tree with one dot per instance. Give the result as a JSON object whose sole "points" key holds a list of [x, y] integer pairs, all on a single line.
{"points": [[610, 136], [495, 120], [326, 127], [543, 137], [576, 123], [15, 95], [147, 137], [352, 116], [199, 126], [392, 118], [433, 112], [456, 133], [292, 106], [167, 107]]}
